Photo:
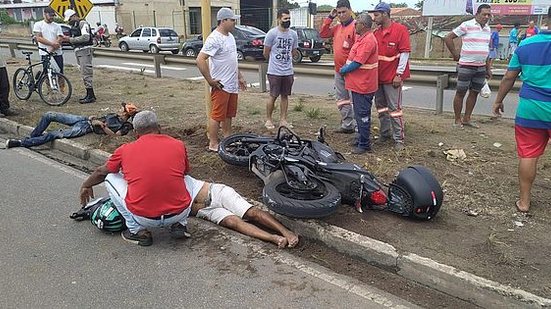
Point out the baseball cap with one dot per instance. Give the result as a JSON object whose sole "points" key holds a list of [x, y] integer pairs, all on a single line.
{"points": [[226, 13], [68, 13], [381, 7]]}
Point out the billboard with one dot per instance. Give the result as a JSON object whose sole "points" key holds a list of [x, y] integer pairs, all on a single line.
{"points": [[499, 7]]}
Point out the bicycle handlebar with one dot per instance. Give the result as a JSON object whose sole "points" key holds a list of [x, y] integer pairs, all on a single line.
{"points": [[49, 53]]}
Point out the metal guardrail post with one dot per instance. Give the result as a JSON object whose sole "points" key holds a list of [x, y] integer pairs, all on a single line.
{"points": [[13, 47], [157, 61], [441, 84], [262, 71]]}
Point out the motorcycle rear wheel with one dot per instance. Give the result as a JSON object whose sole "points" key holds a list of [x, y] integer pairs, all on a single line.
{"points": [[282, 199], [234, 151]]}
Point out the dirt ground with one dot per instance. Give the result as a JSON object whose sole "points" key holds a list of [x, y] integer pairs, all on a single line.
{"points": [[477, 229]]}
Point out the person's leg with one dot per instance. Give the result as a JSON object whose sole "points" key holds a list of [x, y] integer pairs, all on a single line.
{"points": [[226, 127], [344, 104], [116, 187], [218, 113], [382, 111], [257, 215], [231, 112], [214, 126], [237, 224], [527, 168], [464, 77], [477, 82], [394, 102], [4, 90], [283, 112], [286, 88], [362, 112], [275, 89], [49, 117]]}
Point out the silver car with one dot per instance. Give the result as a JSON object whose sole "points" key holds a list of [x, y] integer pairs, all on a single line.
{"points": [[153, 39]]}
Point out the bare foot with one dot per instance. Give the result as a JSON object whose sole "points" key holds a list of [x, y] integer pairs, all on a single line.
{"points": [[280, 241], [521, 208], [292, 239]]}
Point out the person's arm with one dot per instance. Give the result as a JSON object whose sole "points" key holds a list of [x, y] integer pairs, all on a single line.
{"points": [[349, 67], [203, 66], [326, 31], [488, 69], [451, 46], [242, 81], [86, 189], [505, 86], [39, 38], [268, 43], [266, 52]]}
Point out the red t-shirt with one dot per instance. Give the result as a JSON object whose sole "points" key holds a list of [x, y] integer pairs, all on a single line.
{"points": [[392, 41], [343, 40], [364, 79], [154, 167]]}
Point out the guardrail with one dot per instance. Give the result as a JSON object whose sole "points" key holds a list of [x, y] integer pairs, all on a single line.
{"points": [[440, 77]]}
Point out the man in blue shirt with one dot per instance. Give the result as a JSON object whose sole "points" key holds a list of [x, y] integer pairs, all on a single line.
{"points": [[513, 40], [494, 44]]}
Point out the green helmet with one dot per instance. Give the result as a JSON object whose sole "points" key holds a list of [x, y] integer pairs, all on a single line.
{"points": [[107, 218]]}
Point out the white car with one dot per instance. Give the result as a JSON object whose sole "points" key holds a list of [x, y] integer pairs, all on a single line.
{"points": [[153, 39]]}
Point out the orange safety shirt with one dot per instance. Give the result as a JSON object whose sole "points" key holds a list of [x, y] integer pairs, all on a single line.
{"points": [[364, 79], [343, 40], [392, 41]]}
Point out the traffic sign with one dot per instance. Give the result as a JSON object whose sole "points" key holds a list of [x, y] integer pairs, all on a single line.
{"points": [[82, 7]]}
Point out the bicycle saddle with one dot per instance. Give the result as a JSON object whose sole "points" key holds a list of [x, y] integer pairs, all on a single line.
{"points": [[27, 53]]}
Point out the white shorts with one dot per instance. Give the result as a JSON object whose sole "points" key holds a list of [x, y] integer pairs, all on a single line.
{"points": [[224, 202]]}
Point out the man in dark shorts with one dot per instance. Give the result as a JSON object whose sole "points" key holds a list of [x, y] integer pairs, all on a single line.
{"points": [[474, 65], [279, 46]]}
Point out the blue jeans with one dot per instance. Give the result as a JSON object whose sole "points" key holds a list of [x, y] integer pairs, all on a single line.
{"points": [[117, 188], [79, 127], [362, 113]]}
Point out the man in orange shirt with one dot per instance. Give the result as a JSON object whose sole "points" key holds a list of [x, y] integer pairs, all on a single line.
{"points": [[361, 77], [145, 180], [344, 36], [394, 49]]}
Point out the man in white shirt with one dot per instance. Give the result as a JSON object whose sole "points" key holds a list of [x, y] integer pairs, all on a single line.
{"points": [[48, 35], [222, 74]]}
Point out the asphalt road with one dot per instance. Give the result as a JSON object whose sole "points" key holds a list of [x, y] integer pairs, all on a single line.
{"points": [[413, 96], [50, 261]]}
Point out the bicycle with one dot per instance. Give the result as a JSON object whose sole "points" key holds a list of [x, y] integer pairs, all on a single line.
{"points": [[53, 87]]}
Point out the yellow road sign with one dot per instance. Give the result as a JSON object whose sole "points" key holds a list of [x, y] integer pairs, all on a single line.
{"points": [[82, 7]]}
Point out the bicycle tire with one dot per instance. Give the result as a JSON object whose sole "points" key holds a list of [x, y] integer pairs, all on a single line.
{"points": [[22, 81], [62, 96]]}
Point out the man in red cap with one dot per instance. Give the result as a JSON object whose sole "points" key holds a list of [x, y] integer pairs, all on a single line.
{"points": [[494, 44]]}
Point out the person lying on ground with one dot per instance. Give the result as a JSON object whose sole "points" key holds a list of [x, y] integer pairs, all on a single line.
{"points": [[110, 124], [220, 204], [145, 180]]}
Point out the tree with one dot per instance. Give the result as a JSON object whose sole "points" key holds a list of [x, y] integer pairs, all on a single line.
{"points": [[399, 5], [419, 4], [287, 4], [325, 8]]}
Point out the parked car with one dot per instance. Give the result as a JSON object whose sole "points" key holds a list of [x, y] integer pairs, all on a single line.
{"points": [[249, 41], [310, 44], [153, 39], [64, 28]]}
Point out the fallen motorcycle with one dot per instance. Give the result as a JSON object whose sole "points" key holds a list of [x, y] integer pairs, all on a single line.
{"points": [[308, 179]]}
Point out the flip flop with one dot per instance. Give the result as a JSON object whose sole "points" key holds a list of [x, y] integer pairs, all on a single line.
{"points": [[211, 150], [286, 124], [517, 204], [269, 125], [471, 124], [457, 126]]}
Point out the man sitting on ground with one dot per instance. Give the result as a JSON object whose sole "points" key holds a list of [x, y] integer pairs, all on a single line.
{"points": [[222, 205], [110, 124], [144, 179]]}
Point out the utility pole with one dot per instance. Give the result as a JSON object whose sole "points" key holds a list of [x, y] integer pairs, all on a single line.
{"points": [[205, 26], [274, 12]]}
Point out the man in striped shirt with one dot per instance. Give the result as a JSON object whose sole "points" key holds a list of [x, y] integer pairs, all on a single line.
{"points": [[533, 120], [474, 65]]}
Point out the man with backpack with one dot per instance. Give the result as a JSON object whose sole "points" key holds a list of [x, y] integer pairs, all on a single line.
{"points": [[110, 124]]}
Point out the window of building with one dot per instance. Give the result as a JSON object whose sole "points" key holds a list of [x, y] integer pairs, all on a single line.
{"points": [[195, 20]]}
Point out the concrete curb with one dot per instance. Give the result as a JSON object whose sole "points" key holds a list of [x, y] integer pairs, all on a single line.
{"points": [[448, 279]]}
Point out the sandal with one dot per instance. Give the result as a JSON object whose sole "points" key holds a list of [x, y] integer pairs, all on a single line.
{"points": [[269, 125], [471, 124]]}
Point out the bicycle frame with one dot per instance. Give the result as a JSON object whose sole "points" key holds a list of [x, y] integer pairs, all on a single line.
{"points": [[46, 63]]}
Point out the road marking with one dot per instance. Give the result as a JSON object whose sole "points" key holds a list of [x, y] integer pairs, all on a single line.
{"points": [[164, 67], [317, 271], [406, 88], [52, 163], [115, 67]]}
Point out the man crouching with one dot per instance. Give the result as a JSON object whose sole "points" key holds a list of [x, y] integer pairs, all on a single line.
{"points": [[144, 179]]}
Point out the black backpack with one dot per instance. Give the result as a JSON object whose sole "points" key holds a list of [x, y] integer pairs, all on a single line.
{"points": [[103, 214]]}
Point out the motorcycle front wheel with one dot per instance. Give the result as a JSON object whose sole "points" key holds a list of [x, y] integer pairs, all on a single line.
{"points": [[233, 150], [319, 202]]}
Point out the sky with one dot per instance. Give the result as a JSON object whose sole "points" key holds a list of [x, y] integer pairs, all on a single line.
{"points": [[360, 5]]}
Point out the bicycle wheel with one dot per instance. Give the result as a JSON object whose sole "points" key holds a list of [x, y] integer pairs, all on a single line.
{"points": [[23, 84], [58, 93]]}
